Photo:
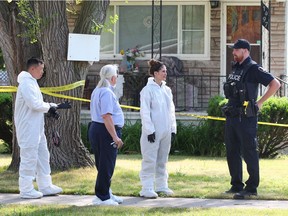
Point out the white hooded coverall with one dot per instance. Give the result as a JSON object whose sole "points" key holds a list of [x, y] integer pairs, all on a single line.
{"points": [[157, 115], [29, 123]]}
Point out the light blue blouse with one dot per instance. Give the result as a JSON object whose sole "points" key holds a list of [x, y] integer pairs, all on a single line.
{"points": [[103, 101]]}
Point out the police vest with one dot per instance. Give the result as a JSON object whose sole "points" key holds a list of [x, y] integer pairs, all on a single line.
{"points": [[237, 88]]}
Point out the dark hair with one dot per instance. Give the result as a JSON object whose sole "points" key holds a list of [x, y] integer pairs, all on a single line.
{"points": [[154, 65], [33, 62]]}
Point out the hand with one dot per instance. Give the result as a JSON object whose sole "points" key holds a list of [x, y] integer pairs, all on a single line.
{"points": [[117, 143], [65, 105], [259, 105], [151, 138], [173, 135], [52, 112]]}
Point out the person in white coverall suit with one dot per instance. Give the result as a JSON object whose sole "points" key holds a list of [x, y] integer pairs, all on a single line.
{"points": [[157, 112], [29, 123]]}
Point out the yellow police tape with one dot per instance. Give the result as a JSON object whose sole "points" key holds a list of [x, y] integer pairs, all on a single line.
{"points": [[47, 89], [8, 89], [50, 91]]}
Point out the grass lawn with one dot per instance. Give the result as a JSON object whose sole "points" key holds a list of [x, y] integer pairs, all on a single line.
{"points": [[189, 177], [2, 147], [129, 211]]}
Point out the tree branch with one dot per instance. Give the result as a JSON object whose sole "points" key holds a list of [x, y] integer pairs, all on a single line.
{"points": [[91, 11]]}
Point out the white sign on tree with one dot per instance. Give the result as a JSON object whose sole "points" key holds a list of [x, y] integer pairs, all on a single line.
{"points": [[83, 47]]}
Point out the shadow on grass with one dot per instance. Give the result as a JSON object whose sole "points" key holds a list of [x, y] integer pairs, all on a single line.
{"points": [[57, 210], [8, 181], [90, 210]]}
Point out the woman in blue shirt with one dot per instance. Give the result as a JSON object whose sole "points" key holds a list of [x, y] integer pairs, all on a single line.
{"points": [[105, 133]]}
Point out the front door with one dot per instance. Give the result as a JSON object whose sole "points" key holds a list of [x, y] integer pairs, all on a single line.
{"points": [[243, 22]]}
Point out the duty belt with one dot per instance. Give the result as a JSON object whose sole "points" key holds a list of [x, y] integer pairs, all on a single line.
{"points": [[232, 111]]}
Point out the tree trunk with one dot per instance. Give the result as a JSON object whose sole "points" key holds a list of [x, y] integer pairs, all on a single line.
{"points": [[54, 43], [15, 52]]}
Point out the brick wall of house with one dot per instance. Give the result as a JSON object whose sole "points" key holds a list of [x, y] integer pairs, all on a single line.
{"points": [[212, 66], [278, 39]]}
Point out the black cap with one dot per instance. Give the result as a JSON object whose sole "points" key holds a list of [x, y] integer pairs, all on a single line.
{"points": [[241, 44]]}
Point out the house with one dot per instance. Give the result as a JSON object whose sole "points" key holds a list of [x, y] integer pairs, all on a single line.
{"points": [[198, 32], [4, 79]]}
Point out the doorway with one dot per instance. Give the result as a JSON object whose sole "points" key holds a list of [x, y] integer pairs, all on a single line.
{"points": [[242, 22]]}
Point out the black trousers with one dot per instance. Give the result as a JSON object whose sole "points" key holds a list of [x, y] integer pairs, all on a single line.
{"points": [[105, 157], [241, 140]]}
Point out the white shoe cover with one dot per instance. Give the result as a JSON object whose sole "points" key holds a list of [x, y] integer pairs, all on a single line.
{"points": [[51, 190], [33, 194], [148, 193], [109, 202], [166, 191]]}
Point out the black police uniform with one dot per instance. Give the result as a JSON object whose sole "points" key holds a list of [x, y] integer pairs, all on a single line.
{"points": [[240, 128]]}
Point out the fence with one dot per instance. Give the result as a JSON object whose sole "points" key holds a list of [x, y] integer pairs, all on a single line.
{"points": [[190, 92]]}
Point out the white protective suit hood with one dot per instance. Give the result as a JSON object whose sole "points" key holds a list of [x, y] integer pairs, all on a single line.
{"points": [[157, 109], [29, 110]]}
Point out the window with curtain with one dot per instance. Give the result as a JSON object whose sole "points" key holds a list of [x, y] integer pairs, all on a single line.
{"points": [[183, 29], [193, 29], [135, 26]]}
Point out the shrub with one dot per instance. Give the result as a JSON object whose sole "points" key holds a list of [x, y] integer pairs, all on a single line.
{"points": [[131, 134], [183, 142], [196, 140], [216, 128], [6, 121], [271, 139]]}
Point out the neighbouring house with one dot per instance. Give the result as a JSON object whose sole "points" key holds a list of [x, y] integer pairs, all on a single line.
{"points": [[4, 79], [197, 34]]}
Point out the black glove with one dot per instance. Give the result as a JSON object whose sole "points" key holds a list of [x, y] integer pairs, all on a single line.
{"points": [[52, 112], [151, 138], [172, 137], [65, 105]]}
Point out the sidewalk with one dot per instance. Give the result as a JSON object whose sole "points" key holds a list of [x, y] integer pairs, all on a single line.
{"points": [[85, 200]]}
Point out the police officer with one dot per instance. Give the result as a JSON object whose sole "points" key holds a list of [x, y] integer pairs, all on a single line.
{"points": [[241, 89], [105, 133]]}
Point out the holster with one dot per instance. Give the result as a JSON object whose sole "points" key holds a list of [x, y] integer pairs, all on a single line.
{"points": [[251, 110], [231, 111]]}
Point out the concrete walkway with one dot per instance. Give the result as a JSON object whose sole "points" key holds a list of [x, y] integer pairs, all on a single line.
{"points": [[78, 200]]}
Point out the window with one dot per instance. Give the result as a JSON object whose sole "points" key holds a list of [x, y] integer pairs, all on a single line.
{"points": [[107, 38], [135, 25], [193, 24], [185, 31]]}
